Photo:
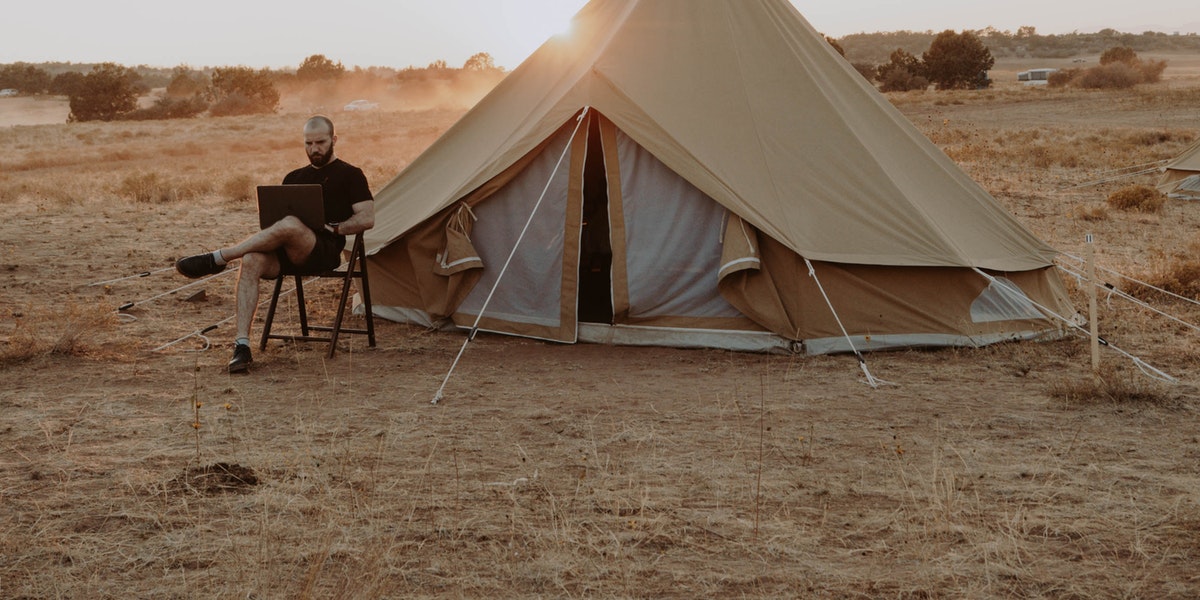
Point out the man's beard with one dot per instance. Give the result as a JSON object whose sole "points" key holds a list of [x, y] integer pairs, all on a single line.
{"points": [[319, 160]]}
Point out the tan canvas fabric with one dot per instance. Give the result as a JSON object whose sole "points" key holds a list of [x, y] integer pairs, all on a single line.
{"points": [[748, 103], [1187, 164], [743, 100]]}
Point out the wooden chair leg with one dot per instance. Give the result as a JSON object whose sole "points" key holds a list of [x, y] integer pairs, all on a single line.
{"points": [[271, 313], [302, 306], [356, 267]]}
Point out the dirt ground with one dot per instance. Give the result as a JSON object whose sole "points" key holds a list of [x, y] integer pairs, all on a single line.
{"points": [[562, 471]]}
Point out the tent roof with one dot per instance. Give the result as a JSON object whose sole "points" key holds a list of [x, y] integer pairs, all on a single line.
{"points": [[746, 101], [1189, 160]]}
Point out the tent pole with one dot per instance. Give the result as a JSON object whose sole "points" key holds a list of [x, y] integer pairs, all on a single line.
{"points": [[475, 327]]}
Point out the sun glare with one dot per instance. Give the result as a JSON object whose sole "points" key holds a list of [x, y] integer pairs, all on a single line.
{"points": [[532, 23]]}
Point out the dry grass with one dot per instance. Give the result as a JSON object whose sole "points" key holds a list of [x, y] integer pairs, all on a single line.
{"points": [[1137, 198], [69, 328], [575, 471]]}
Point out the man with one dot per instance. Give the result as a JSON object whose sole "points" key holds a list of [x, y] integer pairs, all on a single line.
{"points": [[289, 246]]}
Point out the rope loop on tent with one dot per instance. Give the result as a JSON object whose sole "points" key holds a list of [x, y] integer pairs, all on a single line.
{"points": [[459, 222], [862, 362], [500, 276], [1141, 364]]}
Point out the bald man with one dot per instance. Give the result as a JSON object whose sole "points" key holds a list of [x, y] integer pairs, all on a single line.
{"points": [[289, 246]]}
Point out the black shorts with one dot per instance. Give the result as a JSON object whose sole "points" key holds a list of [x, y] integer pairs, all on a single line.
{"points": [[326, 255]]}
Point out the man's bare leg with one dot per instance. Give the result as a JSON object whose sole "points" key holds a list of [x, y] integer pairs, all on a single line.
{"points": [[256, 266], [288, 234]]}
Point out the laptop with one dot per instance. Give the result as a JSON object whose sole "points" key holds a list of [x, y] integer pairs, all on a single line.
{"points": [[305, 201]]}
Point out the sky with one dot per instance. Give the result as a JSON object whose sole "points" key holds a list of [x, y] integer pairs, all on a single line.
{"points": [[400, 33]]}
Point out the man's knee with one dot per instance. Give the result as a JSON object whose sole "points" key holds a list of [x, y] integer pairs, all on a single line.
{"points": [[291, 227], [259, 265]]}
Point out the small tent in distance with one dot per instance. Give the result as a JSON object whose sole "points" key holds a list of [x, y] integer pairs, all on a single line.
{"points": [[706, 173], [1181, 176]]}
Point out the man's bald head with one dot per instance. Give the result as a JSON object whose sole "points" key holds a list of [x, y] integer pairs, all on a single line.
{"points": [[319, 140], [319, 123]]}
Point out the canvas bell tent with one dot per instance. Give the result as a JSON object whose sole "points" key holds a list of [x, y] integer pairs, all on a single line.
{"points": [[1181, 176], [705, 173]]}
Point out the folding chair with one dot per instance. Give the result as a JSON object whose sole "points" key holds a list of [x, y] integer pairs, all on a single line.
{"points": [[356, 267]]}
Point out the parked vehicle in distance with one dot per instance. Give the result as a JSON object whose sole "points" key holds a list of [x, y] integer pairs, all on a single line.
{"points": [[8, 92], [361, 105], [1035, 76]]}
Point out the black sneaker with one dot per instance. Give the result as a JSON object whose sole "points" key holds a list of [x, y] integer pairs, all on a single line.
{"points": [[241, 359], [198, 266]]}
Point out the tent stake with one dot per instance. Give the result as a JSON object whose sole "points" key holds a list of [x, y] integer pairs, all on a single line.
{"points": [[1094, 325]]}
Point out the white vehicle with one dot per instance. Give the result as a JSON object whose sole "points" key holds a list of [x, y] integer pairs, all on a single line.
{"points": [[1035, 76], [361, 105], [7, 92]]}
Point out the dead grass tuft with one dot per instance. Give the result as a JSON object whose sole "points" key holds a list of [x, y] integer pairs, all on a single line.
{"points": [[1178, 275], [238, 188], [1137, 198], [67, 329], [1111, 388], [152, 188], [1091, 213]]}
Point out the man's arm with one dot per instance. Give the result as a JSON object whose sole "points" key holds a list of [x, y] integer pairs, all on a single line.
{"points": [[362, 219]]}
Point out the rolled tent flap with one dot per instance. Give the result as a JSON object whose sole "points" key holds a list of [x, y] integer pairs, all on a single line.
{"points": [[458, 255]]}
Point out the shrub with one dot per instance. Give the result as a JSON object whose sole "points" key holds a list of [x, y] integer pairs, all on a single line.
{"points": [[1117, 75], [1120, 68], [107, 92], [1118, 54], [900, 80], [1062, 77], [1137, 198], [1152, 70], [169, 108], [958, 61], [243, 91]]}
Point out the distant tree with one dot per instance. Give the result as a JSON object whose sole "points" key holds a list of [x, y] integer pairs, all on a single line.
{"points": [[867, 70], [26, 78], [836, 46], [481, 61], [902, 72], [438, 65], [243, 91], [1119, 54], [958, 61], [186, 83], [318, 68], [106, 93], [1026, 31], [66, 83], [1120, 68]]}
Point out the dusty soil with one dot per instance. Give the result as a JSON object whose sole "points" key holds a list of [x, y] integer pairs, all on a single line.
{"points": [[567, 470]]}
